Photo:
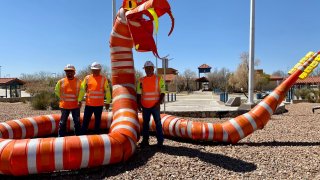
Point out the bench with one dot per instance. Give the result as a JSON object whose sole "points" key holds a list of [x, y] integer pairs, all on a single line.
{"points": [[314, 108]]}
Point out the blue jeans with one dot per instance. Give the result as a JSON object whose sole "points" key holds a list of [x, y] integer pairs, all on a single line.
{"points": [[88, 111], [63, 121], [155, 112]]}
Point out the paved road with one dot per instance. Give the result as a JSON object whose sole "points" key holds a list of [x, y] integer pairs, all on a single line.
{"points": [[199, 101]]}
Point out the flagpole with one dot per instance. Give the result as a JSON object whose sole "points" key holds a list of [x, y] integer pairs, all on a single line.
{"points": [[113, 11], [251, 53]]}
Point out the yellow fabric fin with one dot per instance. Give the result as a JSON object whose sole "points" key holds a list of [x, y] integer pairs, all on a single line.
{"points": [[155, 19]]}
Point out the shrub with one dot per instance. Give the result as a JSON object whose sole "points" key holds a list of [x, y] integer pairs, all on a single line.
{"points": [[312, 97], [44, 99], [297, 93], [304, 93], [41, 100], [307, 94], [54, 102], [23, 100]]}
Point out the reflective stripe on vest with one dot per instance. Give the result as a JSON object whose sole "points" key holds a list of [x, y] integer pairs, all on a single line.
{"points": [[69, 93], [95, 91], [151, 99], [150, 92]]}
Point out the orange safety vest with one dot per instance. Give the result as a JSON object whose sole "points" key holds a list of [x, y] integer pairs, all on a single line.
{"points": [[95, 92], [150, 91], [69, 92]]}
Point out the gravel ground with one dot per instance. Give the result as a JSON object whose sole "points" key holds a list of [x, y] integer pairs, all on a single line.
{"points": [[287, 148]]}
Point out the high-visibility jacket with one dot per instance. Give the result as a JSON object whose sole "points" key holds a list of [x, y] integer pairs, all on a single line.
{"points": [[97, 90], [68, 92], [150, 89]]}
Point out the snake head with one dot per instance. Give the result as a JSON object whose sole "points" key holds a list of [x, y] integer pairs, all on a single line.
{"points": [[131, 4], [142, 17]]}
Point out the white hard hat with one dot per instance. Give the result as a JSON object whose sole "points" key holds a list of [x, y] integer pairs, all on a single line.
{"points": [[69, 67], [147, 64], [95, 65]]}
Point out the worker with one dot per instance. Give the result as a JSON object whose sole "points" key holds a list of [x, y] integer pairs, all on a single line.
{"points": [[150, 94], [67, 89], [97, 90]]}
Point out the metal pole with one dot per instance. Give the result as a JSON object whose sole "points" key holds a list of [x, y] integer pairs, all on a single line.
{"points": [[164, 107], [114, 12], [251, 53], [176, 77], [156, 57], [164, 69]]}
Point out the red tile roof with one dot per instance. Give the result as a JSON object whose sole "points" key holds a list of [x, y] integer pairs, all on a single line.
{"points": [[276, 78], [309, 80], [168, 71], [204, 66], [7, 81], [170, 77]]}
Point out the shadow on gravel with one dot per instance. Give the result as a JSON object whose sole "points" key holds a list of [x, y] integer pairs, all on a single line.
{"points": [[272, 143], [277, 143], [140, 158], [222, 161], [198, 142]]}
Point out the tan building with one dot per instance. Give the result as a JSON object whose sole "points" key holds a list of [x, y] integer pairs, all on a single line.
{"points": [[10, 87]]}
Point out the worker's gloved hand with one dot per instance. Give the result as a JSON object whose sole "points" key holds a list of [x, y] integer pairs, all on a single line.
{"points": [[139, 108], [107, 106], [80, 104]]}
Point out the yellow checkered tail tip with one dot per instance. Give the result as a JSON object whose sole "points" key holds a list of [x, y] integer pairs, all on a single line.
{"points": [[312, 59]]}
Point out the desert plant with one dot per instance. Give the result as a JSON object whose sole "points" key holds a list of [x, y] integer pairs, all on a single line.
{"points": [[297, 93], [54, 102], [41, 100], [313, 96], [39, 82], [304, 92]]}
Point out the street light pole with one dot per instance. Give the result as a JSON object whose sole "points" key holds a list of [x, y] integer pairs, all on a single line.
{"points": [[251, 53], [164, 66]]}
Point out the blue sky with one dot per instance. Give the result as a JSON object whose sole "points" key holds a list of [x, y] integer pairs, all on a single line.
{"points": [[45, 35]]}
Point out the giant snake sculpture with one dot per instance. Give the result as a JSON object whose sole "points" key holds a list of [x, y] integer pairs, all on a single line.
{"points": [[21, 153]]}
